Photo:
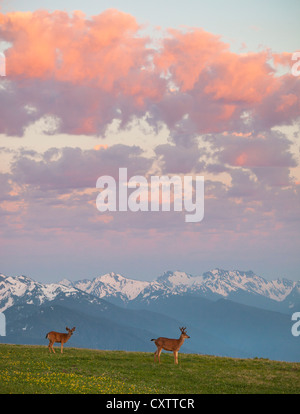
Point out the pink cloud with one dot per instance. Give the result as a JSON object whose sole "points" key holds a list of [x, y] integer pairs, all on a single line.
{"points": [[270, 149], [219, 86], [195, 54], [88, 71], [73, 48], [80, 70]]}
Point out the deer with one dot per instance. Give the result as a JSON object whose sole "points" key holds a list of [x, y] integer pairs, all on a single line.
{"points": [[59, 337], [170, 345]]}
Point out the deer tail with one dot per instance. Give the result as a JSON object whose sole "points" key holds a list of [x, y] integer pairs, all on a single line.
{"points": [[47, 335], [152, 339]]}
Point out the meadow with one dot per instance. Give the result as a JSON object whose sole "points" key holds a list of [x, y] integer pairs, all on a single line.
{"points": [[32, 370]]}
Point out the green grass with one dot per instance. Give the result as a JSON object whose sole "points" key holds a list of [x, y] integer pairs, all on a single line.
{"points": [[31, 369]]}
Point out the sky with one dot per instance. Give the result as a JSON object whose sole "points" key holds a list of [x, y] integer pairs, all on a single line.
{"points": [[160, 88]]}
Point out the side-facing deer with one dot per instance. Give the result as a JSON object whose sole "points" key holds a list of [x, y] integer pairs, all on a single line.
{"points": [[59, 337], [169, 345]]}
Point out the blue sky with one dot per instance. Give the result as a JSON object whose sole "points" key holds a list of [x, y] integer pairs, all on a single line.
{"points": [[268, 23]]}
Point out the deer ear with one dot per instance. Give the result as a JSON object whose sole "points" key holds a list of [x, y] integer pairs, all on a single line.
{"points": [[73, 329], [67, 329]]}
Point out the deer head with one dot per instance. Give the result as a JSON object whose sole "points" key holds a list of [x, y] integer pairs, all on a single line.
{"points": [[183, 333], [70, 331]]}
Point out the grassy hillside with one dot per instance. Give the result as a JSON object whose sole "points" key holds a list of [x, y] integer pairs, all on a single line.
{"points": [[31, 369]]}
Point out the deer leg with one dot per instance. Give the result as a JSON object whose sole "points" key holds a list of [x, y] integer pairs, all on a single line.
{"points": [[49, 346], [52, 347], [175, 357], [158, 353], [61, 347]]}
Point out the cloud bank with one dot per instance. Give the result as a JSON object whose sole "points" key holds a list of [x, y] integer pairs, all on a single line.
{"points": [[222, 111], [87, 72]]}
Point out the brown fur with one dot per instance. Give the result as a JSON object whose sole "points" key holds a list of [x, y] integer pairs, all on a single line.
{"points": [[59, 337], [169, 345]]}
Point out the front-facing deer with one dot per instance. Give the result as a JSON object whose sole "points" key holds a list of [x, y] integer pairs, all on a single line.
{"points": [[59, 337], [169, 345]]}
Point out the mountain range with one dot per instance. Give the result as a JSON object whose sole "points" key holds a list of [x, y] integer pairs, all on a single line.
{"points": [[233, 313]]}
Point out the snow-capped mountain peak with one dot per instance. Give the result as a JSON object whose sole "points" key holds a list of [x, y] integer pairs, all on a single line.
{"points": [[66, 282], [178, 278], [24, 289], [112, 285], [225, 282], [217, 283]]}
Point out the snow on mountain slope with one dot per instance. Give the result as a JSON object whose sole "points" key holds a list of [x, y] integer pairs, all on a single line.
{"points": [[224, 282], [22, 288], [112, 284], [217, 282], [292, 300], [178, 279]]}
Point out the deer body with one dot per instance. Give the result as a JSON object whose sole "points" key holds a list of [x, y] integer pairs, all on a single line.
{"points": [[169, 345], [62, 338]]}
